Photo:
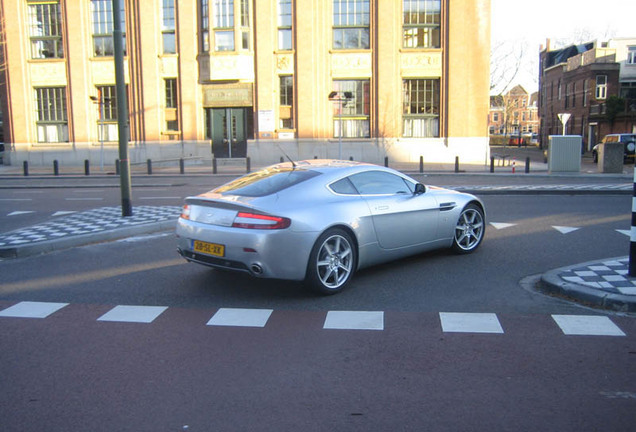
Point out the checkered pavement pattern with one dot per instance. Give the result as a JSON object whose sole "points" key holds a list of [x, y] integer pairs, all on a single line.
{"points": [[610, 276], [88, 222]]}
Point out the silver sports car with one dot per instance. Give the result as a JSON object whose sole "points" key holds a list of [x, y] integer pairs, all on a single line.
{"points": [[322, 220]]}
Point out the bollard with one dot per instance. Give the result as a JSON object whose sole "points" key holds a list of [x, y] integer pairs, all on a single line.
{"points": [[116, 166], [386, 161], [247, 165], [87, 167], [421, 164], [25, 168], [213, 165], [351, 158], [456, 164], [527, 165], [149, 164], [282, 160], [514, 164], [181, 166], [492, 164], [56, 168]]}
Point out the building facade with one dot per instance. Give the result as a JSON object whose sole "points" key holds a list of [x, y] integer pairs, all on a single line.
{"points": [[513, 113], [580, 81], [235, 78]]}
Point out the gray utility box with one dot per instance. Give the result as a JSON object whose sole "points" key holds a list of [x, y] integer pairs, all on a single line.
{"points": [[610, 157], [564, 153]]}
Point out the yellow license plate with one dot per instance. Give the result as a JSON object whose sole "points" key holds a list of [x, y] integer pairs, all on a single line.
{"points": [[209, 248]]}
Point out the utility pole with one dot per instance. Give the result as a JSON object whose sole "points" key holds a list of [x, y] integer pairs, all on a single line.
{"points": [[122, 112]]}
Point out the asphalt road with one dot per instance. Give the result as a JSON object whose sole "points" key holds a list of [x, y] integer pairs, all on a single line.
{"points": [[80, 369]]}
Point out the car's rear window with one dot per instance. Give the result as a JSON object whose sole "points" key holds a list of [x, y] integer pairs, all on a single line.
{"points": [[266, 182]]}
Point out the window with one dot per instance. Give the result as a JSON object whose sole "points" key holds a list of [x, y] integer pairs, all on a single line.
{"points": [[631, 55], [205, 26], [585, 90], [380, 183], [495, 117], [102, 13], [421, 108], [51, 116], [351, 117], [286, 111], [224, 25], [284, 25], [628, 90], [172, 105], [245, 24], [601, 86], [351, 24], [168, 27], [107, 105], [421, 26], [45, 30]]}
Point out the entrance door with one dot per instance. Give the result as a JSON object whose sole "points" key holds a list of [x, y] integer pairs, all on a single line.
{"points": [[228, 132]]}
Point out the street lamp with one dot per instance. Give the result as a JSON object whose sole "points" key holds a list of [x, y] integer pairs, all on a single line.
{"points": [[341, 98]]}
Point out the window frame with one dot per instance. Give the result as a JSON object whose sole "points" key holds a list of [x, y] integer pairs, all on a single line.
{"points": [[424, 109], [286, 102], [348, 21], [171, 114], [355, 114], [50, 26], [421, 29], [285, 25], [168, 26], [601, 88], [55, 114], [102, 27]]}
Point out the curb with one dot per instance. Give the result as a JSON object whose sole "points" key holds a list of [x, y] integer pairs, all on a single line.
{"points": [[85, 239], [551, 282]]}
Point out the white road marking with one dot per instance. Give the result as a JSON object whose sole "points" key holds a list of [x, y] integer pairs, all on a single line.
{"points": [[585, 325], [235, 317], [136, 314], [565, 230], [501, 225], [454, 322], [27, 309], [354, 320]]}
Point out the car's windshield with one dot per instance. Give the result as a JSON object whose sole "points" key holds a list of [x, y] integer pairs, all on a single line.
{"points": [[266, 182]]}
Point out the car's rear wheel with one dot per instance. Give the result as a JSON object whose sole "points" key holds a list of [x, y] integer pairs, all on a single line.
{"points": [[332, 261], [469, 231]]}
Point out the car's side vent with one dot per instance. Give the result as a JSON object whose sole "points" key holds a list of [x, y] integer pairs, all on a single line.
{"points": [[447, 206]]}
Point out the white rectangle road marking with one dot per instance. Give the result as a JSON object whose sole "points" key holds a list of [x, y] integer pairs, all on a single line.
{"points": [[586, 325], [236, 317], [454, 322], [354, 320], [27, 309], [134, 314]]}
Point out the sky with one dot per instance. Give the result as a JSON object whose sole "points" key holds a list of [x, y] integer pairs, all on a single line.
{"points": [[522, 26]]}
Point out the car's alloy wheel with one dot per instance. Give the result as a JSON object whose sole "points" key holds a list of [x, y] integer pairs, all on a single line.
{"points": [[469, 230], [332, 261]]}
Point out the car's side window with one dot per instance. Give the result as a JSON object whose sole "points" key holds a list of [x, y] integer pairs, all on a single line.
{"points": [[379, 183], [343, 187]]}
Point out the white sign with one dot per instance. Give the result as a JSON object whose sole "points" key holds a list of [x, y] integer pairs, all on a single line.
{"points": [[266, 122], [564, 117]]}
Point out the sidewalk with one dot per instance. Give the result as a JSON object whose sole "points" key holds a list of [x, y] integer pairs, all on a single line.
{"points": [[603, 284]]}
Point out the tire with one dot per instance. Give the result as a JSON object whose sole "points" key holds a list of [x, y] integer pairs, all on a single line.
{"points": [[470, 229], [332, 262]]}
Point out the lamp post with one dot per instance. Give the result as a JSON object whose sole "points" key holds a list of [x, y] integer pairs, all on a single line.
{"points": [[341, 98], [100, 101]]}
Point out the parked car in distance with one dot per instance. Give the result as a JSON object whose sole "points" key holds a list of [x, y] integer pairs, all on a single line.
{"points": [[322, 220], [628, 139]]}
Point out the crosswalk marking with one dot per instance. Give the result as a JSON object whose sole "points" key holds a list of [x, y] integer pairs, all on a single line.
{"points": [[27, 309], [133, 314], [583, 325], [451, 322], [354, 320], [454, 322], [232, 317]]}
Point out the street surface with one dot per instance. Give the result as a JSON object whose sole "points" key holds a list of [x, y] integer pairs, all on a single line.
{"points": [[134, 338]]}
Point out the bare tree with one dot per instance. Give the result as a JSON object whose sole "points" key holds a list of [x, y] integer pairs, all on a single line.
{"points": [[506, 60]]}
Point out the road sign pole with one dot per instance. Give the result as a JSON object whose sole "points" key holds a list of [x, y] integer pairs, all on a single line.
{"points": [[632, 244]]}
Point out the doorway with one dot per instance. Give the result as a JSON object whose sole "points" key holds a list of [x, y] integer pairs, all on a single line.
{"points": [[227, 128]]}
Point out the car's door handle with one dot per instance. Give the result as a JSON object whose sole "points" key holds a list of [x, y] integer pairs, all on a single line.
{"points": [[384, 207]]}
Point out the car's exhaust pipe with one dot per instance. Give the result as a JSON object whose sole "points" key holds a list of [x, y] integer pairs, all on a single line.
{"points": [[256, 269]]}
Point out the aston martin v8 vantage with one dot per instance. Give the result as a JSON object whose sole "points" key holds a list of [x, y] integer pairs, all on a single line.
{"points": [[320, 221]]}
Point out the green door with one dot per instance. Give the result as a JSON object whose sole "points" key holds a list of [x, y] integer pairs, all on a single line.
{"points": [[228, 132]]}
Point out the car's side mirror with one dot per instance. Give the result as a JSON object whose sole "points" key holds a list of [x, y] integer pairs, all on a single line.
{"points": [[419, 189]]}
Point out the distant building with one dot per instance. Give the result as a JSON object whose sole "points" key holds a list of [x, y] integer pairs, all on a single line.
{"points": [[513, 112], [243, 77], [580, 80]]}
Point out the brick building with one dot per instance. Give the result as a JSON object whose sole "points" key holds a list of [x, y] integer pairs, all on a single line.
{"points": [[580, 80], [248, 76]]}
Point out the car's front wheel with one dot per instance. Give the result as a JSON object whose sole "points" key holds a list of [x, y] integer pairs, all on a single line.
{"points": [[470, 229], [332, 261]]}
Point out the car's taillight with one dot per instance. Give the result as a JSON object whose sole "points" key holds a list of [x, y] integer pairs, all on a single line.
{"points": [[185, 212], [259, 221]]}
